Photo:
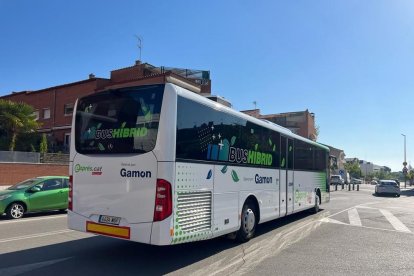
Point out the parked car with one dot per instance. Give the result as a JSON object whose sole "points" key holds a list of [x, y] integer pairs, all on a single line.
{"points": [[35, 195], [389, 187], [336, 179], [397, 181], [356, 181], [374, 182]]}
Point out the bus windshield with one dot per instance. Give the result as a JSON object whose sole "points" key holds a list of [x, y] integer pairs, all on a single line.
{"points": [[119, 121]]}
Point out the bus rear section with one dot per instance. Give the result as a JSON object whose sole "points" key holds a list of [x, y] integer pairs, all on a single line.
{"points": [[118, 186]]}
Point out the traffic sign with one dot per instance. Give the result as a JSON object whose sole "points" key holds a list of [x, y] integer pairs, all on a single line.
{"points": [[404, 163], [405, 170]]}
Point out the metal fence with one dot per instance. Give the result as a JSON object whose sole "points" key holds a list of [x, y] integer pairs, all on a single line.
{"points": [[33, 157], [19, 156]]}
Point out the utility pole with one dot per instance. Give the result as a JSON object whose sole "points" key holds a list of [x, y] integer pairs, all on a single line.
{"points": [[405, 170]]}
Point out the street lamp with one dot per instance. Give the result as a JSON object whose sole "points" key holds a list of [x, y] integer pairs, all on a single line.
{"points": [[405, 162]]}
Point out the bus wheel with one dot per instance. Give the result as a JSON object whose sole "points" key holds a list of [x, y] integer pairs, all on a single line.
{"points": [[315, 208], [248, 222]]}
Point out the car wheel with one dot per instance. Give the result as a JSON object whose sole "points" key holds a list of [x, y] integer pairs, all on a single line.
{"points": [[398, 195], [248, 222], [15, 210]]}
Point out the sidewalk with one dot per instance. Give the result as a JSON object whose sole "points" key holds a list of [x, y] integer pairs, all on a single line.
{"points": [[3, 187]]}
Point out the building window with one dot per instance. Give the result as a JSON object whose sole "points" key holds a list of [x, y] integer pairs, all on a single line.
{"points": [[68, 109], [36, 114], [66, 142], [46, 113]]}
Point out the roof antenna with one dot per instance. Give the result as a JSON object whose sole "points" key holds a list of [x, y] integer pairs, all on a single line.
{"points": [[139, 45], [255, 104]]}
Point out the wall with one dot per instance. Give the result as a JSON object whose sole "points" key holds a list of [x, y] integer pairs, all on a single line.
{"points": [[12, 173]]}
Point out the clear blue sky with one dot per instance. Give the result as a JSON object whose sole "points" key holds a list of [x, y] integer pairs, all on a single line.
{"points": [[349, 62]]}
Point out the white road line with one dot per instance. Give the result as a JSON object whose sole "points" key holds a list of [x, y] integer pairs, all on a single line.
{"points": [[367, 227], [354, 217], [36, 235], [395, 222], [31, 219]]}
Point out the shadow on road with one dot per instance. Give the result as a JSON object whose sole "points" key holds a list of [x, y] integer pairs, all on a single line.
{"points": [[107, 256], [35, 215]]}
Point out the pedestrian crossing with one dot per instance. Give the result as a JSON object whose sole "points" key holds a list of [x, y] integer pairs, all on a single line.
{"points": [[372, 217]]}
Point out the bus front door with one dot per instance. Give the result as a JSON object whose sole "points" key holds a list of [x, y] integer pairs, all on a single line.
{"points": [[290, 177], [283, 177], [286, 200]]}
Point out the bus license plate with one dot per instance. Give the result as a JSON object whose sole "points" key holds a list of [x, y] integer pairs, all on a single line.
{"points": [[109, 220]]}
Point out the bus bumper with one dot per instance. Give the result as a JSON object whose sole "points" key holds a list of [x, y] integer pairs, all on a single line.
{"points": [[139, 232]]}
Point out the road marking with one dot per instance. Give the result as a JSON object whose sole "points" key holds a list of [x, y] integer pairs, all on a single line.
{"points": [[35, 236], [354, 217], [251, 257], [19, 269], [395, 222], [32, 219], [369, 227], [332, 221]]}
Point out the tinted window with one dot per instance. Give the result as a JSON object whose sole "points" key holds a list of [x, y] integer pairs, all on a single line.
{"points": [[290, 153], [206, 134], [65, 183], [310, 157], [119, 121], [51, 184]]}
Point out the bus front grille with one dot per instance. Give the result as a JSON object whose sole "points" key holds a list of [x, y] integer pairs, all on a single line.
{"points": [[194, 211]]}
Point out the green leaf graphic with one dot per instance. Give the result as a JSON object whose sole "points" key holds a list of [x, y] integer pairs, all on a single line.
{"points": [[290, 148], [99, 125], [148, 116], [274, 147], [283, 163], [101, 147], [123, 124], [255, 147], [234, 176], [233, 140], [224, 169], [270, 142]]}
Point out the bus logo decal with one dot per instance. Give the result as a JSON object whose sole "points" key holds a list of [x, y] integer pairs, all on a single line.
{"points": [[141, 174], [263, 179]]}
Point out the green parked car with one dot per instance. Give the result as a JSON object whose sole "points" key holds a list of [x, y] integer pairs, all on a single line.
{"points": [[37, 194]]}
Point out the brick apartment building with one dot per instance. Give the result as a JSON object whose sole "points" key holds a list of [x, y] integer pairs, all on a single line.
{"points": [[54, 105], [301, 122]]}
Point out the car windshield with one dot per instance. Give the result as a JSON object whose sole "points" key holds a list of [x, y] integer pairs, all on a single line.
{"points": [[388, 183], [23, 185]]}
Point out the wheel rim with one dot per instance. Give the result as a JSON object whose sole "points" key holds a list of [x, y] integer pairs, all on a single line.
{"points": [[249, 221], [17, 211]]}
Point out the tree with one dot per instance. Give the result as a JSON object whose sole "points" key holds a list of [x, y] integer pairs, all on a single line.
{"points": [[16, 118], [43, 144], [353, 169]]}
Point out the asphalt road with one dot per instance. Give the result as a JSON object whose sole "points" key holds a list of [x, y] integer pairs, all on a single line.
{"points": [[357, 233]]}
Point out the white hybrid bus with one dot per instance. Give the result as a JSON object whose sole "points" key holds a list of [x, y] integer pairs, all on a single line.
{"points": [[162, 165]]}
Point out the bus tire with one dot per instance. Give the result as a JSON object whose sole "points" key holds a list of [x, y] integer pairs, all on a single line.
{"points": [[248, 222], [15, 210], [315, 208]]}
